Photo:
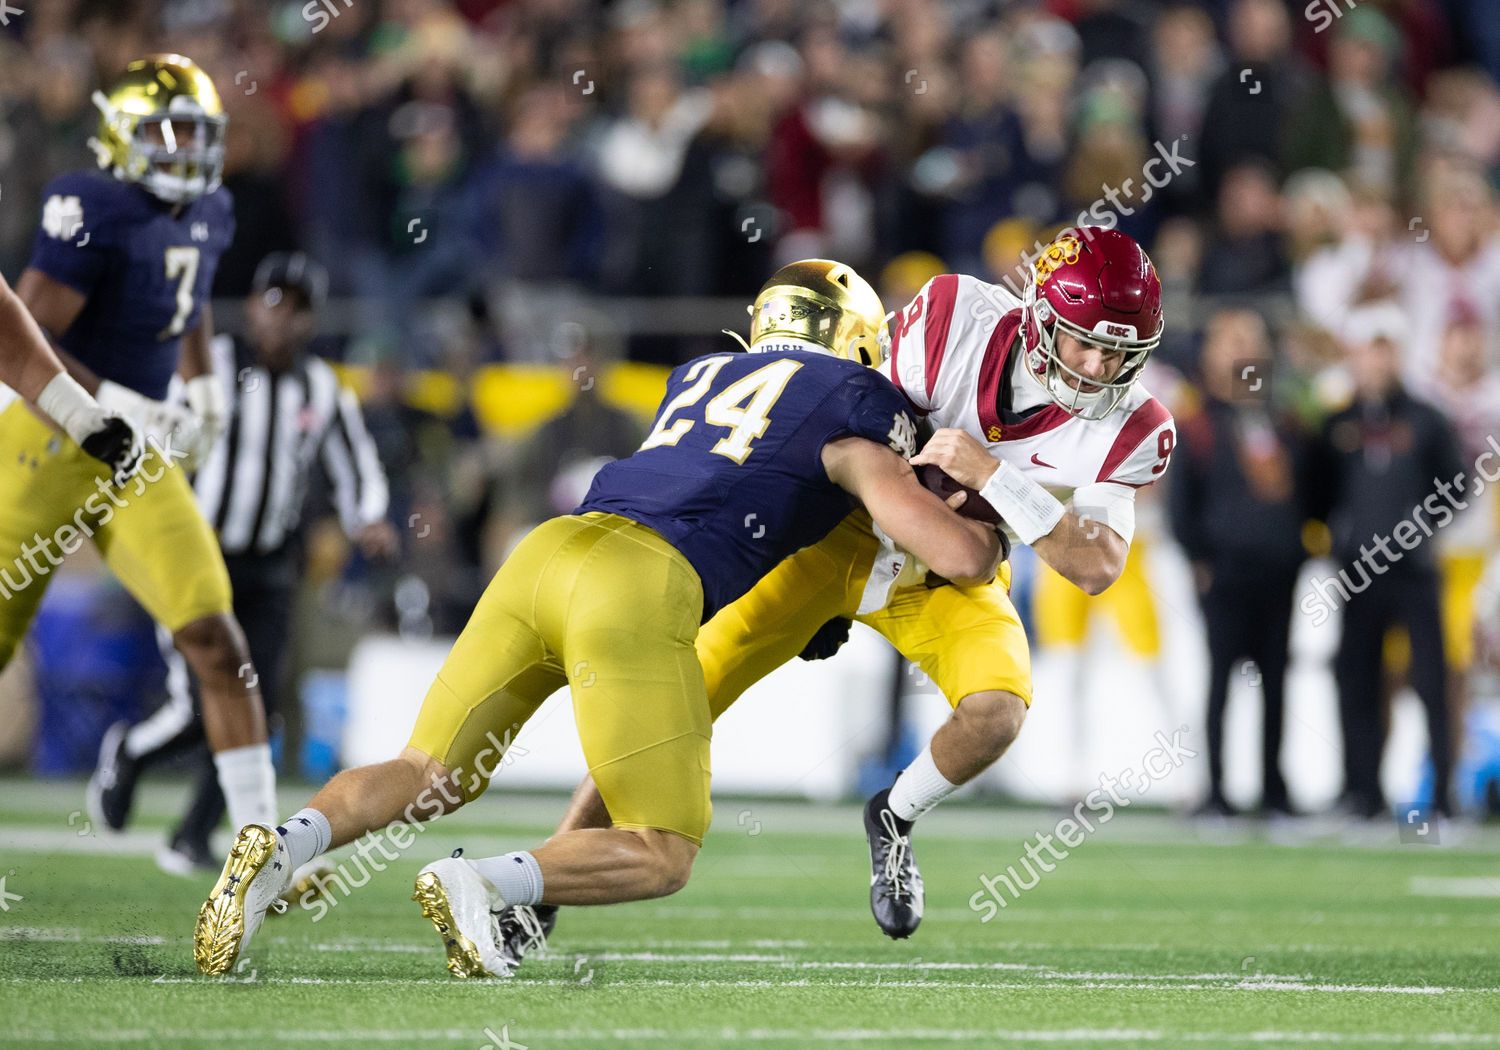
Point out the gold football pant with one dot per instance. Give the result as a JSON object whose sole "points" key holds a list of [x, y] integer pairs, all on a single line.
{"points": [[605, 605], [54, 496], [1063, 610], [966, 639]]}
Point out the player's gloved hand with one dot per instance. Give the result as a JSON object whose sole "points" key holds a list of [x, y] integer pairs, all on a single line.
{"points": [[109, 438], [828, 639], [157, 420], [209, 402]]}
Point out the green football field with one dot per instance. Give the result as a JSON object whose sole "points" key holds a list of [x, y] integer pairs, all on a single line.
{"points": [[1145, 935]]}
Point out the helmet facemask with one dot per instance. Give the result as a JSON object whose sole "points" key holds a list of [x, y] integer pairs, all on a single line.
{"points": [[1040, 324], [176, 157], [161, 126]]}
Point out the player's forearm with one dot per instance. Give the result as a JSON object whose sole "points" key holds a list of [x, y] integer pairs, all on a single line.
{"points": [[193, 358], [1087, 553], [86, 376], [27, 362], [986, 538]]}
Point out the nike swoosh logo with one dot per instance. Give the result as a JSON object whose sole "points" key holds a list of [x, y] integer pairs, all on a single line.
{"points": [[1039, 463]]}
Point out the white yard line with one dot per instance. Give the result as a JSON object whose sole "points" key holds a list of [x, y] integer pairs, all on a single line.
{"points": [[715, 1036], [1165, 983], [1456, 886], [1039, 974]]}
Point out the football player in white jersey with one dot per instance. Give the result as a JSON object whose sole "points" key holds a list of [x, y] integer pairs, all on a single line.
{"points": [[1036, 405]]}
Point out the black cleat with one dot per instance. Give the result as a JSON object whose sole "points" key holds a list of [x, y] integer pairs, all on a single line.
{"points": [[111, 789], [896, 895], [524, 928]]}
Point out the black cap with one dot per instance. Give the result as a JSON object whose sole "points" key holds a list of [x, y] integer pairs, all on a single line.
{"points": [[294, 270]]}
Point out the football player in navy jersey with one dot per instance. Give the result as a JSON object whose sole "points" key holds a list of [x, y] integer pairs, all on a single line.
{"points": [[120, 277], [753, 456]]}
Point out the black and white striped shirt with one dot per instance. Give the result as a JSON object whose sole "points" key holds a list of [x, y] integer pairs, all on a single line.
{"points": [[254, 483]]}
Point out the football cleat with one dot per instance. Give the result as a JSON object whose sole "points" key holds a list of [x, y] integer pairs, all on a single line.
{"points": [[111, 789], [255, 875], [896, 895], [524, 928], [456, 899]]}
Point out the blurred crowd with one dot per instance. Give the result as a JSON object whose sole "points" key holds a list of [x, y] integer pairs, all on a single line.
{"points": [[509, 152], [1314, 181]]}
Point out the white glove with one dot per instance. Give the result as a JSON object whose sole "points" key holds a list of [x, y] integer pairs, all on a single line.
{"points": [[110, 438], [210, 404], [174, 428]]}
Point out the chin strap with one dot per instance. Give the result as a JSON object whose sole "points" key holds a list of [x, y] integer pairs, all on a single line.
{"points": [[737, 338]]}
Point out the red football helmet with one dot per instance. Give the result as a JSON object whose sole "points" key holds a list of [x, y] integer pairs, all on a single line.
{"points": [[1099, 286]]}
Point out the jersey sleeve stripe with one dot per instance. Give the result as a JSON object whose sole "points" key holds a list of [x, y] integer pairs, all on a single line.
{"points": [[1142, 422], [894, 371], [939, 318]]}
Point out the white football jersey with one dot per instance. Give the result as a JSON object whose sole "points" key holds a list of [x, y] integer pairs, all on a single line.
{"points": [[952, 353]]}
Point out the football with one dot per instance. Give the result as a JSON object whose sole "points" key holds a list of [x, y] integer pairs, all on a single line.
{"points": [[941, 485]]}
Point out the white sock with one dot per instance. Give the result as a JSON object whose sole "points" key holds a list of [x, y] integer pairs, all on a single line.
{"points": [[517, 877], [248, 781], [306, 834], [919, 787]]}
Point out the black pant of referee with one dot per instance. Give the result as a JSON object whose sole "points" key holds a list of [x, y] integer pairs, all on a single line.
{"points": [[1406, 596], [264, 587]]}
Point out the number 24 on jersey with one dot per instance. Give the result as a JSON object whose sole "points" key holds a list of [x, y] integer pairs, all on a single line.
{"points": [[743, 407]]}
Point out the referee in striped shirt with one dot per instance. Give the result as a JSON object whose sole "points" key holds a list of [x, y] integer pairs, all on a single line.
{"points": [[288, 415]]}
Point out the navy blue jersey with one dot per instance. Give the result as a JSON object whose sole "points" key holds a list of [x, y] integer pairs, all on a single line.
{"points": [[144, 270], [732, 473]]}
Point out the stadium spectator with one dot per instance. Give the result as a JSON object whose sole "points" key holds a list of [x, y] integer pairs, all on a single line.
{"points": [[656, 188], [539, 214], [1249, 102], [1373, 462], [1357, 121], [1239, 463], [1248, 256], [986, 152], [1446, 265], [1185, 60]]}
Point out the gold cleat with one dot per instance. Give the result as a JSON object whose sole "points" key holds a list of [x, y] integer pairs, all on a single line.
{"points": [[456, 901], [245, 889]]}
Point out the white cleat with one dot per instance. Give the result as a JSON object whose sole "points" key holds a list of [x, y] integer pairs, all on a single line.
{"points": [[456, 899], [257, 872]]}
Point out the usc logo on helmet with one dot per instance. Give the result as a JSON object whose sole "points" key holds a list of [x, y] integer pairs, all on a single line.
{"points": [[1061, 252]]}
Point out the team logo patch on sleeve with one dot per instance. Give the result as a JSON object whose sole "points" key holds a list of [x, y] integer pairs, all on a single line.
{"points": [[62, 217], [903, 436]]}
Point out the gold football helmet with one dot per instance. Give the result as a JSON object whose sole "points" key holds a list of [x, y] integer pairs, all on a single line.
{"points": [[822, 302], [161, 125]]}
